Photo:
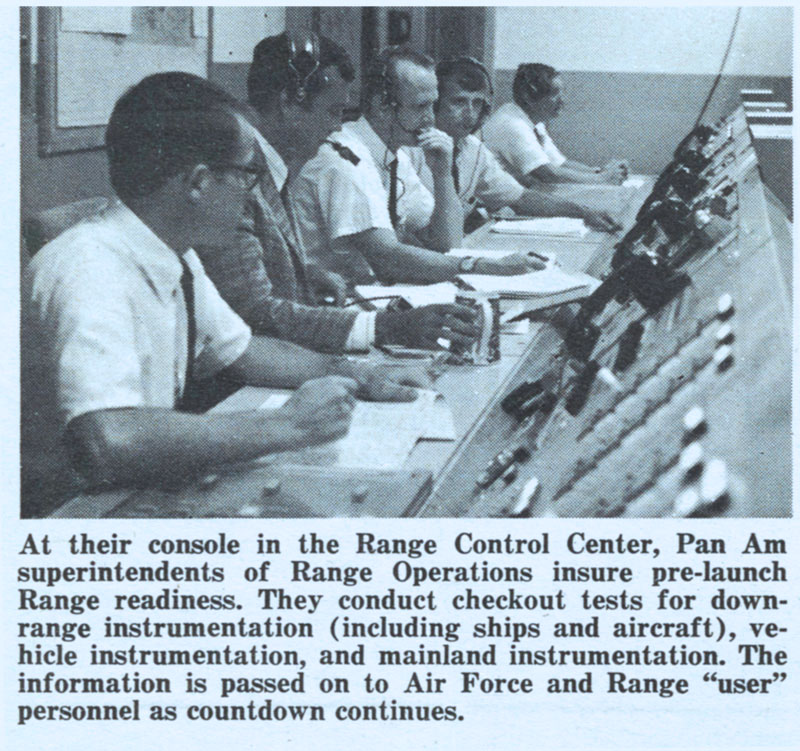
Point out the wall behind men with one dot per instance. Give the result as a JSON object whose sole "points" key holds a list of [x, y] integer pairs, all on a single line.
{"points": [[636, 77]]}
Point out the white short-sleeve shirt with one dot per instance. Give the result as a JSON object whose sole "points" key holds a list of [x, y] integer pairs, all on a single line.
{"points": [[333, 198], [481, 179], [104, 326], [519, 144]]}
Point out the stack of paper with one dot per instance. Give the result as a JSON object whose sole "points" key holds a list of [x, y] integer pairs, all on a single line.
{"points": [[557, 226], [540, 289], [414, 294]]}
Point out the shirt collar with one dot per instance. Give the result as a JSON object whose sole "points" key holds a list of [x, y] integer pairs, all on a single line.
{"points": [[275, 164], [156, 260], [519, 112], [378, 150]]}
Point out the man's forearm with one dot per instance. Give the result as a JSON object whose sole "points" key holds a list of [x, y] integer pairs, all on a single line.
{"points": [[446, 227], [277, 363], [580, 167], [393, 261], [148, 445], [549, 173], [536, 202]]}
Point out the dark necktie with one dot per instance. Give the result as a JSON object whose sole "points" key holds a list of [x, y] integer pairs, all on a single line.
{"points": [[395, 219], [187, 285], [455, 168], [284, 194], [290, 235]]}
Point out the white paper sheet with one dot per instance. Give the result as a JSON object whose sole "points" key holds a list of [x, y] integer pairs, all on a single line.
{"points": [[633, 182], [556, 226], [200, 22]]}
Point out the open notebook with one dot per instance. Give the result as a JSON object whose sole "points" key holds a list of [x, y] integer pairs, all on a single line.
{"points": [[383, 434]]}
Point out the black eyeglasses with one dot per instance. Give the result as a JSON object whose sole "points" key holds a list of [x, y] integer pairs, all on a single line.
{"points": [[252, 173]]}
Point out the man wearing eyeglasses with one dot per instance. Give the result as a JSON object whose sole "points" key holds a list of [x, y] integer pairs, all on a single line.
{"points": [[119, 317]]}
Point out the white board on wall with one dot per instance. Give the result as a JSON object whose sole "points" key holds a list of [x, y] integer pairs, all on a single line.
{"points": [[86, 99], [97, 20], [81, 74]]}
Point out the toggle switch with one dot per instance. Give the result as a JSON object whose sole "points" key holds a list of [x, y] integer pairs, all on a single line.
{"points": [[510, 474], [579, 393], [690, 461], [524, 503], [206, 482], [714, 482], [694, 422], [271, 487], [495, 468], [723, 357], [724, 334], [360, 493], [629, 346], [687, 503], [725, 307]]}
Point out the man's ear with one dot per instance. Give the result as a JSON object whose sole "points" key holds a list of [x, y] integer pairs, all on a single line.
{"points": [[197, 181]]}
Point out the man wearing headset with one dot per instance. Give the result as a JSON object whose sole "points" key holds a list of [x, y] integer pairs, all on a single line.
{"points": [[465, 96], [516, 133], [367, 216], [298, 86]]}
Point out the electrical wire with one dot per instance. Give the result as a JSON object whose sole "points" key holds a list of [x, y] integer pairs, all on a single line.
{"points": [[721, 68]]}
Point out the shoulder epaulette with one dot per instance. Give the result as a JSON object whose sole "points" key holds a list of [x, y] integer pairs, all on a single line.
{"points": [[344, 152]]}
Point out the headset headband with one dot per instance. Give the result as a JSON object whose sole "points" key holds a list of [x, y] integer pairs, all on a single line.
{"points": [[302, 45], [443, 67], [387, 84]]}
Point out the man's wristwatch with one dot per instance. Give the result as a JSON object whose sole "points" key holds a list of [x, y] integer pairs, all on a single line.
{"points": [[467, 264]]}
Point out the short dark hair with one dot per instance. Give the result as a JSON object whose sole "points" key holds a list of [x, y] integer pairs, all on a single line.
{"points": [[380, 78], [467, 73], [270, 73], [533, 81], [166, 123]]}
